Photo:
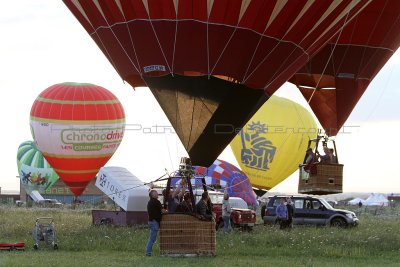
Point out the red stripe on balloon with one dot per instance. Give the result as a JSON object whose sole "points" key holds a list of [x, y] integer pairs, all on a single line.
{"points": [[55, 111], [77, 92], [77, 164]]}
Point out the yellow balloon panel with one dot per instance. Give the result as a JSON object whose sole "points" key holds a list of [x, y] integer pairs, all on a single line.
{"points": [[273, 143]]}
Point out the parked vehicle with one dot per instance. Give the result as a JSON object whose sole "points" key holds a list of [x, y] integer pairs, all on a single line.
{"points": [[241, 215], [49, 203], [312, 211]]}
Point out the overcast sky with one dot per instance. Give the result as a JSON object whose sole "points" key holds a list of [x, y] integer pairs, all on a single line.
{"points": [[43, 44]]}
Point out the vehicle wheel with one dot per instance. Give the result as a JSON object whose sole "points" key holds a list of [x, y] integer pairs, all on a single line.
{"points": [[338, 222], [35, 247]]}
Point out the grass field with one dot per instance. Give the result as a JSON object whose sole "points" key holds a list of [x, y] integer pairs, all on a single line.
{"points": [[375, 242]]}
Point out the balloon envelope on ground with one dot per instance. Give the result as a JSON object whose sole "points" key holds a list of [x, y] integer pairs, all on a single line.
{"points": [[77, 127], [34, 171], [273, 143]]}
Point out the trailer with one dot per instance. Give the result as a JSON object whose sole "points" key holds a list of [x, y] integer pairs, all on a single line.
{"points": [[128, 192]]}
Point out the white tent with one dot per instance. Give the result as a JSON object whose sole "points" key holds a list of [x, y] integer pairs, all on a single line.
{"points": [[356, 201], [376, 200]]}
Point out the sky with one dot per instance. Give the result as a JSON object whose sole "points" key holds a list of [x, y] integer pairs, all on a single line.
{"points": [[43, 44]]}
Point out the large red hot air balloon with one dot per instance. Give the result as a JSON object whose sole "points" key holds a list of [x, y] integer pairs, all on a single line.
{"points": [[336, 78], [204, 59], [77, 127]]}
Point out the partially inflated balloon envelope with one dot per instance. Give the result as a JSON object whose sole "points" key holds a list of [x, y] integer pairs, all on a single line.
{"points": [[77, 127], [34, 171], [202, 59], [231, 179], [274, 141], [225, 176]]}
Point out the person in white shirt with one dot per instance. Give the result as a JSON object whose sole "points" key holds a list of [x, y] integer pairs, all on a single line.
{"points": [[226, 213]]}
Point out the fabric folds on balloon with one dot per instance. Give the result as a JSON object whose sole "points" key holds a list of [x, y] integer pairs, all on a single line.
{"points": [[77, 127], [335, 79]]}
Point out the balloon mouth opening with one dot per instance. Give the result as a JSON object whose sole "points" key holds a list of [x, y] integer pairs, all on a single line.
{"points": [[78, 84]]}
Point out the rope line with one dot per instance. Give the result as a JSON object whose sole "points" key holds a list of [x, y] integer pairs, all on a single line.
{"points": [[119, 42]]}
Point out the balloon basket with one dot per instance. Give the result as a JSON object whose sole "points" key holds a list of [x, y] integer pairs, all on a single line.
{"points": [[44, 231], [185, 235], [324, 179]]}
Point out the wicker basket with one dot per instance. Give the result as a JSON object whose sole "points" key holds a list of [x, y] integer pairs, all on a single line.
{"points": [[185, 235], [327, 180]]}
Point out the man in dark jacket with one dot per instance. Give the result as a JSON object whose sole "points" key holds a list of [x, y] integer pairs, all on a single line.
{"points": [[154, 209], [204, 207], [290, 211]]}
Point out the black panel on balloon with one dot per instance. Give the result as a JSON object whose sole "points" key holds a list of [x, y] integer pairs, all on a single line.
{"points": [[206, 112]]}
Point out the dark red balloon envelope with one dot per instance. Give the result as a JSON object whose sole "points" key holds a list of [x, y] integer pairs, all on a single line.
{"points": [[204, 60]]}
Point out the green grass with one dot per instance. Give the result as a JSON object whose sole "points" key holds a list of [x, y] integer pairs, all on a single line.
{"points": [[375, 242]]}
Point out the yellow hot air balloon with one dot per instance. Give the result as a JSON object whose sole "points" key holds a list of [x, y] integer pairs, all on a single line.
{"points": [[273, 143]]}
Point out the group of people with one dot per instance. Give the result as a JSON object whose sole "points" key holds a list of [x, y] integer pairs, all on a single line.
{"points": [[284, 213], [312, 158], [328, 158], [180, 202]]}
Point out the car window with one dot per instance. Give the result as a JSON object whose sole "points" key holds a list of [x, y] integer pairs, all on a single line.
{"points": [[316, 204], [298, 203], [215, 197], [326, 204], [276, 202], [238, 203]]}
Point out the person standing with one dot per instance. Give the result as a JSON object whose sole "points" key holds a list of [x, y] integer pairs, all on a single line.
{"points": [[263, 208], [204, 207], [290, 212], [328, 157], [154, 210], [282, 214], [173, 198], [226, 213]]}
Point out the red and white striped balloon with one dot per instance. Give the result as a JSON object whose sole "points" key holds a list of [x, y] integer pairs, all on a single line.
{"points": [[77, 127]]}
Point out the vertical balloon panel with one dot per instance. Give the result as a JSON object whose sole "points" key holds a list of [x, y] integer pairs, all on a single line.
{"points": [[273, 143], [78, 127]]}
